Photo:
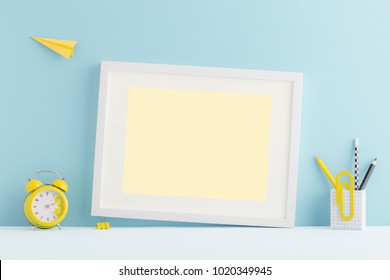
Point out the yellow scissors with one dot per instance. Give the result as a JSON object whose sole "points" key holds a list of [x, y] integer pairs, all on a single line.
{"points": [[340, 194]]}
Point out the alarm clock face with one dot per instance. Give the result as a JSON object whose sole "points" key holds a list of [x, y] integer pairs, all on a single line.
{"points": [[46, 207]]}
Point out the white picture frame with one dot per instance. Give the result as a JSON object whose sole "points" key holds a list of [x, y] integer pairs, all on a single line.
{"points": [[108, 198]]}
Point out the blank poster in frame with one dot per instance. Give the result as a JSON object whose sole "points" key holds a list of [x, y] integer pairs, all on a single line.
{"points": [[197, 144]]}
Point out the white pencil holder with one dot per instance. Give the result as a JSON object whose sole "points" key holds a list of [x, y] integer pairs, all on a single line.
{"points": [[358, 222]]}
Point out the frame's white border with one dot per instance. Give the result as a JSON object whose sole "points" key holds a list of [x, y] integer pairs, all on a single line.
{"points": [[295, 78]]}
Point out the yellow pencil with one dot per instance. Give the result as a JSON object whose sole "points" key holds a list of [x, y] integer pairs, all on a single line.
{"points": [[326, 171]]}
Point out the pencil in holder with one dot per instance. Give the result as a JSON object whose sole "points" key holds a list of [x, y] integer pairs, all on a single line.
{"points": [[358, 220]]}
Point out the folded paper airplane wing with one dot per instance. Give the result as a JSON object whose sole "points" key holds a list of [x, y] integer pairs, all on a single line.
{"points": [[62, 47]]}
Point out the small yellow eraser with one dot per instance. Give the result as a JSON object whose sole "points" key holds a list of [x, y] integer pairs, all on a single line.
{"points": [[104, 225]]}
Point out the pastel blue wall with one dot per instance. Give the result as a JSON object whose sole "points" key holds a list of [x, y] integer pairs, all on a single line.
{"points": [[48, 105]]}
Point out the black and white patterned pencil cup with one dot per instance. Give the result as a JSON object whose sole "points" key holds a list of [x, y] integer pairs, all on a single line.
{"points": [[348, 209]]}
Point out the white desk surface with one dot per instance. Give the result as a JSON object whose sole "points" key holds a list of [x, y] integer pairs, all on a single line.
{"points": [[238, 243]]}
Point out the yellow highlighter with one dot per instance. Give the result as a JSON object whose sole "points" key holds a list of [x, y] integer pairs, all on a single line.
{"points": [[326, 171]]}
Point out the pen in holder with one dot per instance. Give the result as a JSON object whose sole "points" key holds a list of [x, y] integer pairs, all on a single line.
{"points": [[347, 198], [348, 212]]}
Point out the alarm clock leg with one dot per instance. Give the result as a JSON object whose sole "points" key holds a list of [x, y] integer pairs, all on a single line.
{"points": [[35, 227], [59, 227]]}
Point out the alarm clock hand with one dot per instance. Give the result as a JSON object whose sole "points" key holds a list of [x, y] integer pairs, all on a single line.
{"points": [[52, 210], [51, 201]]}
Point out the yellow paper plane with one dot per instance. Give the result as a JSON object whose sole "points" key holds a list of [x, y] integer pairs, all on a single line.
{"points": [[62, 47]]}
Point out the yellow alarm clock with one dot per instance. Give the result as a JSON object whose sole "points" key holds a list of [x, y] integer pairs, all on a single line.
{"points": [[46, 204]]}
